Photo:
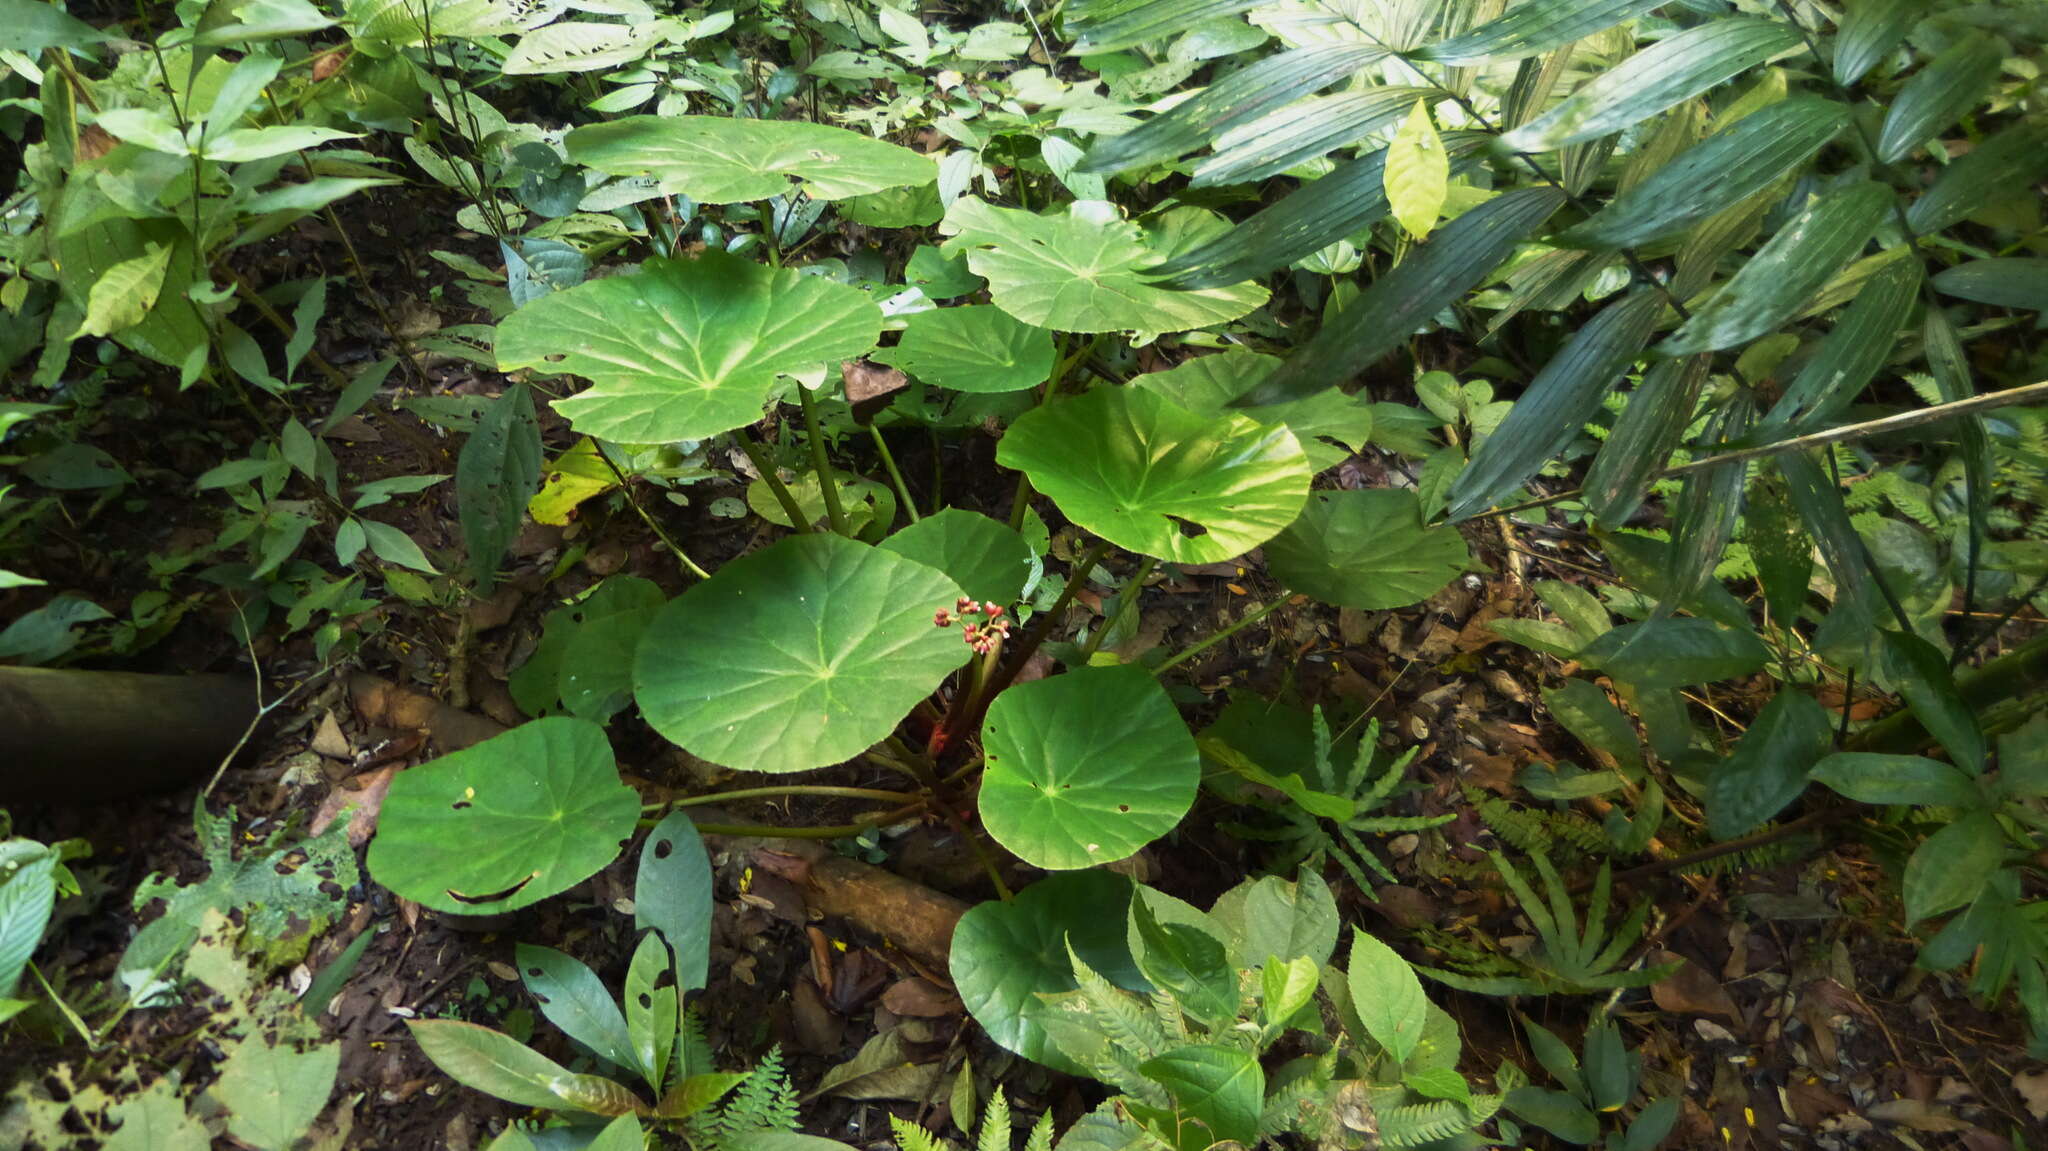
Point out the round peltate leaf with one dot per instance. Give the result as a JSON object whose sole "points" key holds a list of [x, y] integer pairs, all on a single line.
{"points": [[1330, 425], [1086, 767], [685, 349], [974, 348], [508, 822], [803, 654], [719, 160], [986, 558], [1079, 271], [1005, 955], [1153, 477], [1366, 549]]}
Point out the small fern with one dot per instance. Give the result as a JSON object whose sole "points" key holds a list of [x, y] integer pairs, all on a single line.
{"points": [[1414, 1124], [763, 1101], [1532, 831]]}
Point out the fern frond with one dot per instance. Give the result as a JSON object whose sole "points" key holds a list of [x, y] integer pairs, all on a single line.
{"points": [[1118, 1013], [995, 1124], [1414, 1124], [1040, 1138], [911, 1137]]}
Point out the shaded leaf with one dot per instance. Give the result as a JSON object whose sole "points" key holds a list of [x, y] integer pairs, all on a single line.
{"points": [[1769, 766], [720, 160]]}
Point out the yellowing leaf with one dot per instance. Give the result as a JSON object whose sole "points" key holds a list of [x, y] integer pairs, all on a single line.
{"points": [[125, 293], [576, 475], [1418, 173]]}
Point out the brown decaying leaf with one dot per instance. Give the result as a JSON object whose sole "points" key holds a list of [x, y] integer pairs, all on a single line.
{"points": [[1692, 990], [920, 997], [364, 801], [2033, 1087]]}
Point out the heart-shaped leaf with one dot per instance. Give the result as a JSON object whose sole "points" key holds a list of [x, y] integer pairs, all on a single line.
{"points": [[803, 654], [989, 560], [719, 160], [1006, 955], [685, 349], [1148, 475], [1079, 272], [508, 822], [975, 348], [1366, 549], [1087, 767]]}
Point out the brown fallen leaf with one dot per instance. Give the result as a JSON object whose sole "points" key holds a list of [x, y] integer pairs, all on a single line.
{"points": [[363, 798], [920, 997], [2033, 1087], [1917, 1115], [1691, 990]]}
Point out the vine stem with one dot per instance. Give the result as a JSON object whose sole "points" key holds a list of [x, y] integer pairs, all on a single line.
{"points": [[668, 541], [778, 792], [895, 476], [1984, 402], [835, 511], [1226, 633], [766, 467], [837, 831]]}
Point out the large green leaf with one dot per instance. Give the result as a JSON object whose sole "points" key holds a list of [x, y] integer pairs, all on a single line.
{"points": [[672, 895], [173, 332], [1951, 868], [1947, 88], [2008, 282], [1387, 995], [1085, 768], [2006, 165], [804, 654], [1557, 403], [685, 349], [1302, 132], [1861, 341], [1271, 916], [1869, 30], [273, 1092], [1786, 271], [1006, 956], [1921, 673], [719, 160], [28, 891], [1123, 25], [1220, 1089], [975, 348], [1418, 173], [1237, 99], [1769, 766], [1158, 479], [1330, 425], [1720, 172], [1668, 72], [1675, 652], [988, 559], [1535, 27], [1871, 778], [1366, 549], [1079, 271], [508, 822], [1436, 272]]}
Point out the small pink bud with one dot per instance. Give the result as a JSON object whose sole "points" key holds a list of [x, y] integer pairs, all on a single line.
{"points": [[963, 603], [942, 618], [992, 610]]}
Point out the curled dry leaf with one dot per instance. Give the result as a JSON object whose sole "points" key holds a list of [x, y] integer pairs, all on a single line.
{"points": [[1692, 990], [362, 798], [920, 997]]}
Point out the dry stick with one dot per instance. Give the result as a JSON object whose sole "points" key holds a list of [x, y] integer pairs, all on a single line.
{"points": [[1913, 419]]}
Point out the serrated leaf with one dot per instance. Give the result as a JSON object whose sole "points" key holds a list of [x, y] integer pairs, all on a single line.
{"points": [[1082, 270], [1717, 173], [685, 349], [1418, 173], [1533, 28], [1934, 99], [1237, 99], [1438, 271], [1769, 766], [1222, 1089], [124, 293], [1562, 397], [1789, 268], [1366, 549], [1672, 70], [719, 160], [1387, 995], [1869, 31]]}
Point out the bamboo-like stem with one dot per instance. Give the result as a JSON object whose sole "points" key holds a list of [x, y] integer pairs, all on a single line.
{"points": [[757, 456]]}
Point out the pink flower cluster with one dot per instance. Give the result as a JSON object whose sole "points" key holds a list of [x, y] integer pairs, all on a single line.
{"points": [[982, 636]]}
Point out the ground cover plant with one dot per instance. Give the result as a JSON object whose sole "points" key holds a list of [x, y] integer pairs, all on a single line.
{"points": [[1576, 462]]}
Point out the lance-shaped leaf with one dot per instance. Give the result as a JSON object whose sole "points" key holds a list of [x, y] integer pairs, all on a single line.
{"points": [[805, 653], [685, 349], [1239, 98], [1723, 170], [1086, 768], [1562, 397], [1667, 72], [1446, 266], [2007, 164], [1078, 271], [2006, 282], [1656, 416], [1861, 342], [1869, 31], [1153, 477], [719, 160], [497, 1064], [1939, 95], [1418, 174], [1953, 381], [1786, 271], [1310, 218], [1107, 27], [1301, 132], [1819, 503], [1535, 27], [1367, 550]]}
